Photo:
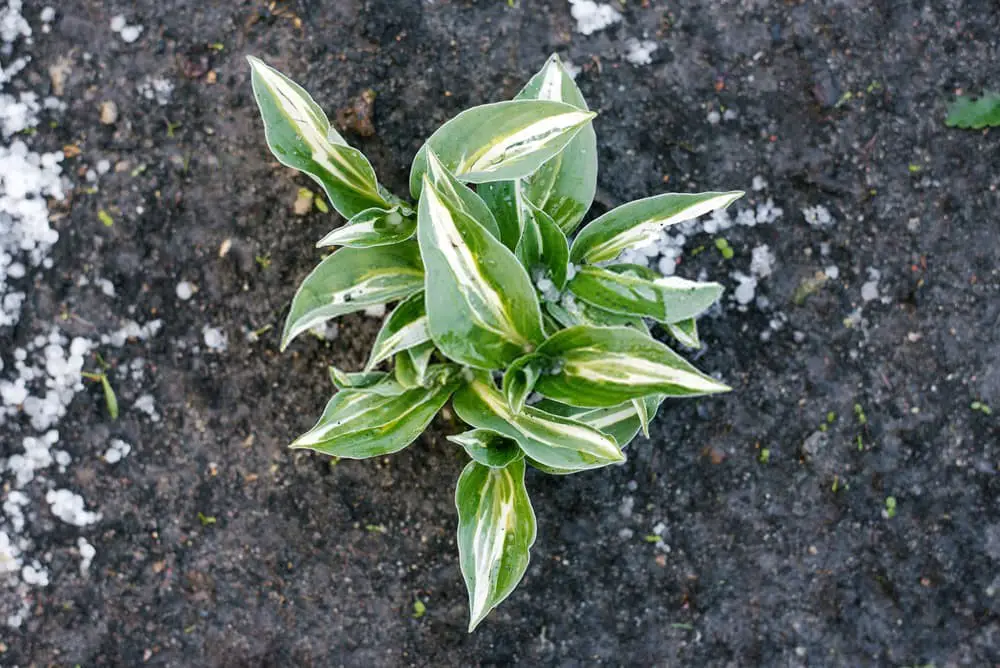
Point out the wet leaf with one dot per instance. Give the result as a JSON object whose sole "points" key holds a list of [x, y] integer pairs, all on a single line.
{"points": [[372, 227], [489, 448]]}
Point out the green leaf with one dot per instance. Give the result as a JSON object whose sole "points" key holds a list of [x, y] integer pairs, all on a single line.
{"points": [[604, 366], [459, 195], [621, 422], [377, 382], [641, 221], [685, 332], [420, 359], [520, 379], [358, 425], [300, 136], [543, 249], [501, 200], [372, 227], [489, 448], [564, 186], [976, 114], [405, 328], [501, 141], [629, 289], [481, 307], [550, 439], [405, 371], [496, 529], [110, 398], [352, 279]]}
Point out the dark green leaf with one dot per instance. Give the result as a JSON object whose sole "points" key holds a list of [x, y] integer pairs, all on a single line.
{"points": [[489, 448]]}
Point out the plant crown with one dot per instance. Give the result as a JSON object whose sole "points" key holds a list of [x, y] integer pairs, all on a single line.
{"points": [[533, 330]]}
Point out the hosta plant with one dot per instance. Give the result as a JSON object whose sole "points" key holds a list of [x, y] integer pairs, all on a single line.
{"points": [[532, 329]]}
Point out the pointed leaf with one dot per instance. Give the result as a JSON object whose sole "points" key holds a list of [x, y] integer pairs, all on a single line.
{"points": [[641, 221], [481, 307], [489, 448], [405, 328], [621, 422], [372, 227], [461, 196], [501, 141], [520, 378], [640, 410], [377, 382], [501, 200], [564, 186], [358, 425], [629, 289], [685, 332], [496, 529], [300, 136], [405, 372], [543, 249], [420, 359], [352, 279], [604, 366], [550, 439]]}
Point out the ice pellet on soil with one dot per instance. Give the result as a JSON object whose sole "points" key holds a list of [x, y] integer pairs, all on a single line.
{"points": [[869, 290], [117, 23], [35, 574], [184, 290], [130, 34], [640, 52], [376, 311], [591, 16], [87, 553], [47, 15], [69, 507], [215, 339], [818, 216], [117, 450]]}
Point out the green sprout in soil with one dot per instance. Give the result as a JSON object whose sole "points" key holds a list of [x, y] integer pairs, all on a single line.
{"points": [[765, 456], [105, 218], [529, 326], [419, 609], [110, 398], [981, 407], [890, 507]]}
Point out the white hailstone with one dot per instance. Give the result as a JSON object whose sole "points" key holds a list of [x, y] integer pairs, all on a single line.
{"points": [[47, 15], [591, 16], [215, 338], [714, 117], [758, 183], [117, 450], [118, 23], [87, 553], [184, 290], [35, 574], [818, 216], [69, 507], [832, 272], [147, 405], [376, 311], [640, 52], [130, 34], [762, 261]]}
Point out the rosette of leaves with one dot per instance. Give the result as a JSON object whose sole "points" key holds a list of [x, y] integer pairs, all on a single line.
{"points": [[532, 329]]}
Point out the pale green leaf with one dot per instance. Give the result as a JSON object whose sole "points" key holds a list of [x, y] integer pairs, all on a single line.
{"points": [[352, 279], [543, 249], [482, 310], [405, 371], [604, 366], [300, 136], [621, 422], [641, 221], [520, 378], [377, 382], [634, 290], [550, 439], [496, 529], [685, 332], [501, 141], [358, 425], [489, 448], [372, 227], [975, 114], [405, 328], [420, 359]]}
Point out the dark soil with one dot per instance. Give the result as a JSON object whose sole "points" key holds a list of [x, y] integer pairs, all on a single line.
{"points": [[789, 562]]}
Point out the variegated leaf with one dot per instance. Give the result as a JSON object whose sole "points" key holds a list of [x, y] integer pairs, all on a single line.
{"points": [[352, 279], [404, 371], [564, 186], [550, 439], [520, 379], [482, 310], [501, 141], [377, 382], [461, 196], [634, 290], [622, 422], [489, 448], [420, 358], [685, 332], [640, 222], [604, 366], [543, 249], [300, 136], [405, 328], [358, 425], [372, 227], [496, 529]]}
